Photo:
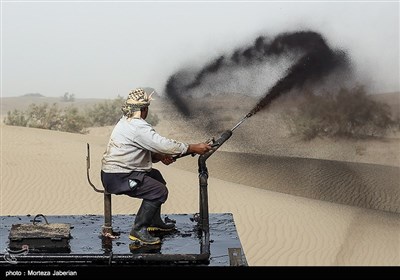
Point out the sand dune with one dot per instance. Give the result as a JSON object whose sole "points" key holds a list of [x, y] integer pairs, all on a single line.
{"points": [[365, 185], [45, 172], [280, 229]]}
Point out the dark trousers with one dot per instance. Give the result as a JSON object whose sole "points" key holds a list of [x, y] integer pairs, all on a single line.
{"points": [[149, 185]]}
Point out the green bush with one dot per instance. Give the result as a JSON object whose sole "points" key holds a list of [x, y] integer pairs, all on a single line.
{"points": [[105, 113], [348, 113], [43, 116], [48, 117], [16, 118], [73, 121]]}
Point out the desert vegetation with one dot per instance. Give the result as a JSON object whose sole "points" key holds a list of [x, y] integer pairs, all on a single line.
{"points": [[348, 113], [70, 119]]}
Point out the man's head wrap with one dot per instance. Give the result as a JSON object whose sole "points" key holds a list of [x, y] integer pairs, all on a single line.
{"points": [[137, 99]]}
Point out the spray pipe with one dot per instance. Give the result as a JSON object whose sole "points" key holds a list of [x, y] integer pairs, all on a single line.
{"points": [[204, 220], [215, 144]]}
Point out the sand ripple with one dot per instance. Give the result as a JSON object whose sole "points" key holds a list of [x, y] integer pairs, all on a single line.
{"points": [[359, 184]]}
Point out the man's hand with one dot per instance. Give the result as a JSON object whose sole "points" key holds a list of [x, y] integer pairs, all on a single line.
{"points": [[167, 160], [200, 148]]}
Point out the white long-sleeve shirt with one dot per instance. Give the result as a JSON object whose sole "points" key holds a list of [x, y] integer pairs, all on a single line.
{"points": [[131, 144]]}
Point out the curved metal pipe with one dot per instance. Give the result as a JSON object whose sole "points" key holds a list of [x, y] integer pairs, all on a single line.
{"points": [[87, 171]]}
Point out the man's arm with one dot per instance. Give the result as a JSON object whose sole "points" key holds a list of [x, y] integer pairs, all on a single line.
{"points": [[150, 140], [200, 148]]}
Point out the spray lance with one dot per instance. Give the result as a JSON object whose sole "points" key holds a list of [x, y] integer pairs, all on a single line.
{"points": [[203, 215], [215, 144], [227, 134]]}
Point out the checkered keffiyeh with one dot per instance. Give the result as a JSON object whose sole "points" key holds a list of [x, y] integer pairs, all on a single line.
{"points": [[137, 99]]}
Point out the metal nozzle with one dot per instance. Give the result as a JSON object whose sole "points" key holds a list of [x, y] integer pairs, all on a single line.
{"points": [[239, 123]]}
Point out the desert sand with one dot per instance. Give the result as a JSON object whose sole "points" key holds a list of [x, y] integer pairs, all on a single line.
{"points": [[326, 207]]}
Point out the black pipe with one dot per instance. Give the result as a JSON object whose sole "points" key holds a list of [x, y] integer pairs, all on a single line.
{"points": [[107, 227], [216, 144], [204, 222]]}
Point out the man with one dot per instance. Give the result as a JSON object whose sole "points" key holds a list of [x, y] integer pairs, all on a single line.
{"points": [[127, 164]]}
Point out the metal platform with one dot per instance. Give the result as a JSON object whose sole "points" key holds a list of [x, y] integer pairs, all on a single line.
{"points": [[201, 239], [88, 247]]}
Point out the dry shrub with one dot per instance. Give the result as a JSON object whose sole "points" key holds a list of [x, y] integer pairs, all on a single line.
{"points": [[70, 119], [48, 117], [345, 114]]}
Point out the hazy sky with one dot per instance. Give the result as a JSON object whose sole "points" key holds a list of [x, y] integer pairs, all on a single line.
{"points": [[104, 49]]}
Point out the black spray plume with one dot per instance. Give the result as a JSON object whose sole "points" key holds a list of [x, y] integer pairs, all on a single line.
{"points": [[317, 60]]}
